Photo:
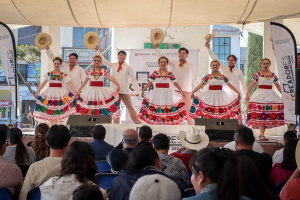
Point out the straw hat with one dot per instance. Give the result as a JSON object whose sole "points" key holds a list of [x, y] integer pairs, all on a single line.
{"points": [[271, 38], [91, 40], [209, 37], [43, 40], [157, 36], [298, 155], [193, 138]]}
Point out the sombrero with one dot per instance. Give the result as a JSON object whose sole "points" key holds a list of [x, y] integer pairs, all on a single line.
{"points": [[91, 40], [209, 37], [157, 36], [43, 40], [271, 38], [193, 138]]}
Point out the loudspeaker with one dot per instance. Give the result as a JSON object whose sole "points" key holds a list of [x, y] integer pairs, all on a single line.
{"points": [[218, 129], [297, 102], [83, 125]]}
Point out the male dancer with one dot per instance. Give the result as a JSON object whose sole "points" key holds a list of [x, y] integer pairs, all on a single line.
{"points": [[185, 74], [235, 75], [74, 71], [121, 71]]}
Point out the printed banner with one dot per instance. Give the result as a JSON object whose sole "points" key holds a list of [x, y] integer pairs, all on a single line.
{"points": [[285, 52], [8, 60]]}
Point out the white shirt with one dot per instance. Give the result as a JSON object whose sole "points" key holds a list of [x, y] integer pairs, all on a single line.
{"points": [[256, 147], [77, 74], [122, 76], [185, 75], [278, 156], [236, 77]]}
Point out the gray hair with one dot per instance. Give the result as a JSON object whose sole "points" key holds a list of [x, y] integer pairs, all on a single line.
{"points": [[130, 136]]}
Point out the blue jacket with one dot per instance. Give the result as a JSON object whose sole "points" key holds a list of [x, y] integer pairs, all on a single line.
{"points": [[101, 149]]}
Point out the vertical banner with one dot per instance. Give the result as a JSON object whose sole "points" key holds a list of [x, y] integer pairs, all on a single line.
{"points": [[8, 60], [285, 48]]}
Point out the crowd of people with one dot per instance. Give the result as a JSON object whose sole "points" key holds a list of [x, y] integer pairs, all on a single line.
{"points": [[145, 168]]}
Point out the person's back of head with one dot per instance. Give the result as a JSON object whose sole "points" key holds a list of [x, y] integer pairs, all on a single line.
{"points": [[215, 165], [39, 141], [15, 137], [289, 160], [161, 141], [79, 159], [145, 133], [87, 192], [3, 137], [130, 138], [143, 156], [289, 135], [4, 127], [99, 132], [243, 136], [58, 137]]}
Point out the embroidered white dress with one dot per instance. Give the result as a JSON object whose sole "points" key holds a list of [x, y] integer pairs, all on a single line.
{"points": [[265, 107], [55, 103], [163, 105], [216, 102], [96, 99]]}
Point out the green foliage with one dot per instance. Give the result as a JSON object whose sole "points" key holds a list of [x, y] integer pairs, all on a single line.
{"points": [[30, 54]]}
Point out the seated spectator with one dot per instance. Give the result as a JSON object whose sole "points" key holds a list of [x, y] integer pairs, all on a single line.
{"points": [[118, 157], [155, 187], [244, 140], [290, 191], [100, 147], [10, 174], [253, 186], [145, 134], [27, 121], [16, 151], [190, 144], [256, 147], [87, 192], [215, 175], [278, 155], [142, 161], [281, 172], [39, 141], [170, 165], [77, 167], [58, 138]]}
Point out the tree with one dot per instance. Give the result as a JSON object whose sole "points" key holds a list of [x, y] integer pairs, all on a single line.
{"points": [[31, 55], [254, 56]]}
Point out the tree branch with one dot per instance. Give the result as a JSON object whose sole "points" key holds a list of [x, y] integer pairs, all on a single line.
{"points": [[26, 83]]}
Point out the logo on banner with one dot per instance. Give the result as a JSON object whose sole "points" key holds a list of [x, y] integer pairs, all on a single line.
{"points": [[2, 37], [289, 86], [136, 54], [11, 64]]}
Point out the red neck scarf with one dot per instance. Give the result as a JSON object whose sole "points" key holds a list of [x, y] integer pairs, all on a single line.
{"points": [[120, 67], [182, 62], [231, 67]]}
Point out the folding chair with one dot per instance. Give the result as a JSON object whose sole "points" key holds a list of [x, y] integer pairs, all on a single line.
{"points": [[190, 192], [278, 188], [5, 193], [103, 166], [105, 179], [34, 194]]}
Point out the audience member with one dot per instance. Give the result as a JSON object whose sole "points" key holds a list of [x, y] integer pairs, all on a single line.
{"points": [[256, 147], [10, 174], [281, 172], [215, 175], [27, 121], [155, 187], [290, 191], [244, 140], [145, 134], [16, 151], [253, 186], [142, 161], [170, 165], [87, 192], [77, 167], [39, 141], [278, 155], [118, 156], [101, 148], [58, 137], [191, 141]]}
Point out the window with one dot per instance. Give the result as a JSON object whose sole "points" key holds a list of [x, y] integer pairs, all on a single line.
{"points": [[242, 68], [27, 35], [221, 47], [79, 34], [23, 68]]}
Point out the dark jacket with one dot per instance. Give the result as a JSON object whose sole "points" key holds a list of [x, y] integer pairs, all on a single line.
{"points": [[101, 149]]}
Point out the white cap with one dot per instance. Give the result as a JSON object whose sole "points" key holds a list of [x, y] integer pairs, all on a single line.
{"points": [[157, 186]]}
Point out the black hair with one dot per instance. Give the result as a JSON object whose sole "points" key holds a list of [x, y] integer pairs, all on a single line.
{"points": [[3, 137], [87, 192], [161, 141], [123, 52], [15, 135], [99, 132], [145, 133], [220, 166], [289, 160], [184, 49], [58, 136], [233, 56], [142, 156], [289, 135], [74, 54], [298, 54], [244, 135], [4, 127]]}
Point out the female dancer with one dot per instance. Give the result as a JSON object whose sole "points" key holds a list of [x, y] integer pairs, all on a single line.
{"points": [[56, 103], [215, 102], [163, 105], [96, 99], [265, 109]]}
